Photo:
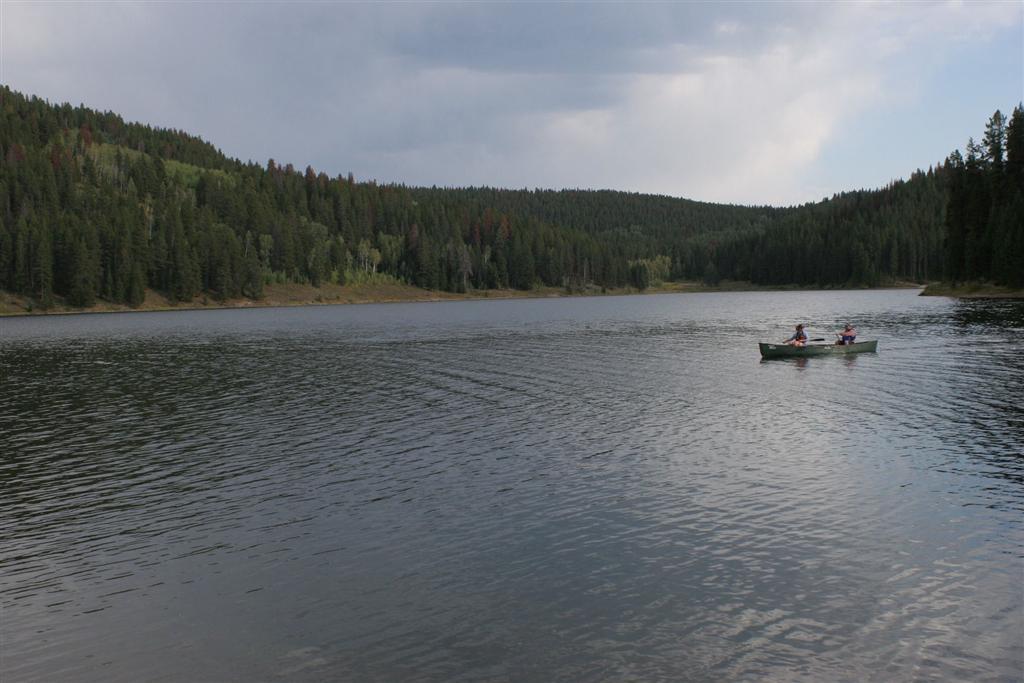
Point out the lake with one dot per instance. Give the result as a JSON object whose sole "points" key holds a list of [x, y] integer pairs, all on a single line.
{"points": [[578, 489]]}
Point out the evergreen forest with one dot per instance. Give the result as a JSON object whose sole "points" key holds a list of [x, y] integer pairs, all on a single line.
{"points": [[92, 207]]}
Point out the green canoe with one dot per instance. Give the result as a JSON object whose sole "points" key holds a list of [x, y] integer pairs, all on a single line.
{"points": [[786, 351]]}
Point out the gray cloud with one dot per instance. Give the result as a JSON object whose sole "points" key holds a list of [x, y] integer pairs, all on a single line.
{"points": [[597, 39]]}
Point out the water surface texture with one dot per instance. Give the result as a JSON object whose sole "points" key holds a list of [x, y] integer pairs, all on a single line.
{"points": [[536, 490]]}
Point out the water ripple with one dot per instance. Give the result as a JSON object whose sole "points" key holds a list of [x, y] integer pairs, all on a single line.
{"points": [[592, 489]]}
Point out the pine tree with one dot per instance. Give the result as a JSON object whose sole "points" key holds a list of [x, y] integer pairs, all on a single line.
{"points": [[1015, 149], [994, 141]]}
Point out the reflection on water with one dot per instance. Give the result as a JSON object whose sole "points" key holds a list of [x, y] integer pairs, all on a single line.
{"points": [[585, 489], [800, 362]]}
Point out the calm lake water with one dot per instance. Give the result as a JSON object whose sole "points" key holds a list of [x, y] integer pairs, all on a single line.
{"points": [[602, 489]]}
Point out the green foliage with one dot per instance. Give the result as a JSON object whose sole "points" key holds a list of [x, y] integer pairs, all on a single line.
{"points": [[640, 274], [711, 276], [363, 277], [644, 273]]}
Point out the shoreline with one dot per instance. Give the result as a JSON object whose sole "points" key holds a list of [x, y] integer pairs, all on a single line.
{"points": [[972, 290], [288, 295]]}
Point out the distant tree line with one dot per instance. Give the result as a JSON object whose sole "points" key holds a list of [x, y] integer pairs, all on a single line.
{"points": [[93, 207], [985, 216]]}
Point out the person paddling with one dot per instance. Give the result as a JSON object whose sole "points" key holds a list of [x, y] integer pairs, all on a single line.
{"points": [[847, 336], [799, 337]]}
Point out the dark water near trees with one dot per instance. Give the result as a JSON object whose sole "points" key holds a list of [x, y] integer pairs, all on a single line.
{"points": [[571, 490]]}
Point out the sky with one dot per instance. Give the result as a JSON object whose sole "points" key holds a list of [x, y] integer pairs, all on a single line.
{"points": [[744, 103]]}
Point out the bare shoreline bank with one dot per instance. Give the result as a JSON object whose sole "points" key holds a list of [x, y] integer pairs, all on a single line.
{"points": [[972, 290], [278, 296], [288, 295]]}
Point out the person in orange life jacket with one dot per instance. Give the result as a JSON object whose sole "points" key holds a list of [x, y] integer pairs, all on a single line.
{"points": [[847, 336], [799, 337]]}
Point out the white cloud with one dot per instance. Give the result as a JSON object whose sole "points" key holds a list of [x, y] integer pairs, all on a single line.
{"points": [[724, 129], [747, 128]]}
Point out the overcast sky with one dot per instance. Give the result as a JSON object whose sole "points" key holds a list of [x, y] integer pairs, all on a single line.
{"points": [[745, 103]]}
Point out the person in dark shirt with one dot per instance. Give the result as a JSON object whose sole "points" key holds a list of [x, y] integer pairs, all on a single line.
{"points": [[799, 337]]}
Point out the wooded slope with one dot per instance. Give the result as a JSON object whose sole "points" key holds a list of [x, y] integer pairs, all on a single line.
{"points": [[92, 206]]}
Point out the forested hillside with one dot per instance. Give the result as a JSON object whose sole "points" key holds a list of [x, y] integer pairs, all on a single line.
{"points": [[93, 207]]}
